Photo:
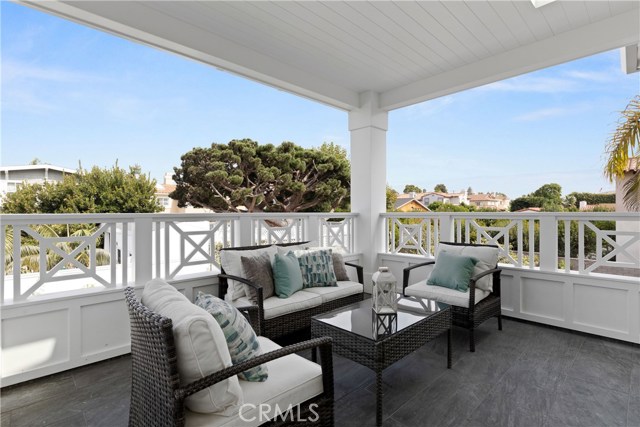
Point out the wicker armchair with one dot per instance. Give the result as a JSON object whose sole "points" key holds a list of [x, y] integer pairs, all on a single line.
{"points": [[476, 313], [157, 398], [289, 323]]}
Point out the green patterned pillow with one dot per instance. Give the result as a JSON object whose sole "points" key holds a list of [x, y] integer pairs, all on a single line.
{"points": [[241, 339], [316, 268]]}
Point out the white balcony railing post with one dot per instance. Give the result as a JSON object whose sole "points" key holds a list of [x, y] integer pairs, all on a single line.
{"points": [[446, 228], [548, 243], [143, 249], [312, 233], [244, 231]]}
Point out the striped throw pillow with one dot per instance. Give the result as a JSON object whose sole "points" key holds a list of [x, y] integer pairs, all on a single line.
{"points": [[241, 339]]}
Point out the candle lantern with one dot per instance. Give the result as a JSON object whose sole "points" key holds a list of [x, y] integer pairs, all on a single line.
{"points": [[385, 300]]}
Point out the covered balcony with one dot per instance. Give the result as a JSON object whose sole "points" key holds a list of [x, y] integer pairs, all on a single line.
{"points": [[569, 351]]}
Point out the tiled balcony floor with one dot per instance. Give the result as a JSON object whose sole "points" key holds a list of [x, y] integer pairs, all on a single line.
{"points": [[526, 375]]}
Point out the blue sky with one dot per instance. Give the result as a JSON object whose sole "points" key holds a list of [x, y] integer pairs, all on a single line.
{"points": [[71, 93]]}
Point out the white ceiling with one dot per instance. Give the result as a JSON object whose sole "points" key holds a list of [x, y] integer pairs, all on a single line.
{"points": [[333, 51]]}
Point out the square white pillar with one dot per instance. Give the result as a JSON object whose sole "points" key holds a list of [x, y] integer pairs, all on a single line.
{"points": [[368, 126]]}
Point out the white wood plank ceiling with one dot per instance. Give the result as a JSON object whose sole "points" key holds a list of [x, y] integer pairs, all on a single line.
{"points": [[332, 51]]}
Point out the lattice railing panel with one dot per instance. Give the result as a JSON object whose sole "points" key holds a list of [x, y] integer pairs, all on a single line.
{"points": [[337, 233], [516, 238], [269, 231], [183, 247], [412, 235]]}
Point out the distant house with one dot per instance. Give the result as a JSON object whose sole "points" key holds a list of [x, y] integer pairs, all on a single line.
{"points": [[450, 198], [498, 202], [12, 177], [170, 205], [409, 204]]}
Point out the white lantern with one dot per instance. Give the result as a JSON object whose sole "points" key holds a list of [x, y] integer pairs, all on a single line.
{"points": [[385, 300]]}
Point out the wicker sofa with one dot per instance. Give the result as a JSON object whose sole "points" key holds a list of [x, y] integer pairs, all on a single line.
{"points": [[276, 317]]}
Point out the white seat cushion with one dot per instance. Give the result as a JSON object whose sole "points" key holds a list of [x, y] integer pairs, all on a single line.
{"points": [[292, 380], [274, 306], [330, 293], [200, 346], [487, 257], [445, 295]]}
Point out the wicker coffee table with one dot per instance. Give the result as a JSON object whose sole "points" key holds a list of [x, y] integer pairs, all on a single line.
{"points": [[358, 335]]}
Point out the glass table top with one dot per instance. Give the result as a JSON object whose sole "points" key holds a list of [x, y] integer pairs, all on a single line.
{"points": [[360, 319]]}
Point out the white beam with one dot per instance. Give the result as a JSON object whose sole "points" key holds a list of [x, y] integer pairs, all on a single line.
{"points": [[134, 21], [629, 59], [611, 33]]}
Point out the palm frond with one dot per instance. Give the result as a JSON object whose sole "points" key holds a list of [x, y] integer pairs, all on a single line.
{"points": [[631, 190], [624, 145]]}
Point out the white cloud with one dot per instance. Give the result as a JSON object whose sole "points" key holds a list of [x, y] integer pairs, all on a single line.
{"points": [[544, 113], [428, 108], [552, 113], [533, 84], [593, 76], [20, 71]]}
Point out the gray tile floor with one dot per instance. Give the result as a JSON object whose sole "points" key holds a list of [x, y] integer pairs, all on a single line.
{"points": [[526, 375]]}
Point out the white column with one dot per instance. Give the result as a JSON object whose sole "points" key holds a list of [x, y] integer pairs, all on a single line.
{"points": [[368, 126]]}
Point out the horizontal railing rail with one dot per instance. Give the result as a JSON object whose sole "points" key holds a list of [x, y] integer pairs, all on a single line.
{"points": [[48, 253], [589, 242]]}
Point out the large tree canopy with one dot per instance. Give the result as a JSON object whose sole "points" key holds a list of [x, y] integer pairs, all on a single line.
{"points": [[246, 176], [548, 197], [410, 188], [440, 188], [99, 190]]}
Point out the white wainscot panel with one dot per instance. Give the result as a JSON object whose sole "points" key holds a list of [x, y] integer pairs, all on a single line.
{"points": [[34, 341], [543, 298], [105, 326], [508, 292], [397, 266], [600, 307]]}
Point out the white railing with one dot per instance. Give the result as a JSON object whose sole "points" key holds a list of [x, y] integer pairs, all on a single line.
{"points": [[46, 254], [582, 242]]}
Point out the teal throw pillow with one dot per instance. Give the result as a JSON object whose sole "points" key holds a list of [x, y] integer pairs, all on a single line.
{"points": [[286, 275], [452, 271], [317, 268], [241, 339]]}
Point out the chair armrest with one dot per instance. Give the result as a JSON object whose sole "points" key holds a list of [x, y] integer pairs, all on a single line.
{"points": [[407, 271], [486, 273], [359, 270], [324, 343], [472, 284]]}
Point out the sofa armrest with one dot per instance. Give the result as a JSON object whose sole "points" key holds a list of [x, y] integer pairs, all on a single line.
{"points": [[259, 327], [326, 360], [359, 270], [407, 271]]}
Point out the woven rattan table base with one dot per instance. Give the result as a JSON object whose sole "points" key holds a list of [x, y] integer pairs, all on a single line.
{"points": [[377, 355]]}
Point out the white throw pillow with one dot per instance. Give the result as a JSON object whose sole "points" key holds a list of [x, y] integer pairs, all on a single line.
{"points": [[487, 259], [283, 250], [232, 264], [200, 346]]}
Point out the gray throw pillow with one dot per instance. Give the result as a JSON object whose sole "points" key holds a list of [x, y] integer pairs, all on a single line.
{"points": [[339, 268], [258, 271]]}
